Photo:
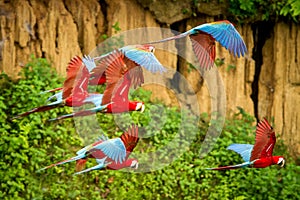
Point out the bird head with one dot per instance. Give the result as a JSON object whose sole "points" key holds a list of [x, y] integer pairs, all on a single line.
{"points": [[146, 47]]}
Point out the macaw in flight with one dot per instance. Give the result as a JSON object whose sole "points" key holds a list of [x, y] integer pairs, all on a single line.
{"points": [[258, 155], [121, 74], [134, 55], [203, 39], [109, 153], [74, 88]]}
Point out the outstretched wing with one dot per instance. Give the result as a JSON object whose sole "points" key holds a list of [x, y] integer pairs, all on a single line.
{"points": [[115, 77], [113, 149], [77, 79], [264, 141], [130, 138], [225, 33], [243, 149], [73, 68], [204, 48]]}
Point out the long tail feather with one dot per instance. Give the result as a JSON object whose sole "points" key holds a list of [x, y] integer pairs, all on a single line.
{"points": [[75, 114], [38, 109], [81, 156], [52, 90], [170, 38], [245, 164], [80, 113]]}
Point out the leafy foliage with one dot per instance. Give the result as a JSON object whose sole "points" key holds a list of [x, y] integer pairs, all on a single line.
{"points": [[264, 10], [31, 143]]}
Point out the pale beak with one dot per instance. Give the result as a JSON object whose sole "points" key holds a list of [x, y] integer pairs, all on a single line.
{"points": [[140, 106], [282, 164], [134, 164], [153, 50]]}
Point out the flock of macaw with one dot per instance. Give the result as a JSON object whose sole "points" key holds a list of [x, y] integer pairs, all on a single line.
{"points": [[122, 69]]}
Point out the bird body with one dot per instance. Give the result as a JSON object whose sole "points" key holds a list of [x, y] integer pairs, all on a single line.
{"points": [[74, 91], [203, 39], [109, 153], [119, 78], [258, 155]]}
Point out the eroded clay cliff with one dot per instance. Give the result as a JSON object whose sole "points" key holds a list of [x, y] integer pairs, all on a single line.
{"points": [[267, 85]]}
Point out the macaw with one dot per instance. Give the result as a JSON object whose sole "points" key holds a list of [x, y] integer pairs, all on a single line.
{"points": [[258, 155], [74, 88], [109, 153], [119, 77], [203, 39], [134, 55]]}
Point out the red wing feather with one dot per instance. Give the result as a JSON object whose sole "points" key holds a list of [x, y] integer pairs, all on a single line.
{"points": [[204, 48], [79, 92], [116, 68], [136, 72], [72, 71], [264, 141], [130, 138], [98, 76]]}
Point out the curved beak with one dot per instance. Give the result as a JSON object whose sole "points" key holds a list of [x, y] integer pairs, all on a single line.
{"points": [[282, 163], [136, 166], [140, 106]]}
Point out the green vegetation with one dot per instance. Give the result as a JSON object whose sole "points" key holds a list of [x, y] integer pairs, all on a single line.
{"points": [[30, 143], [256, 10], [111, 43]]}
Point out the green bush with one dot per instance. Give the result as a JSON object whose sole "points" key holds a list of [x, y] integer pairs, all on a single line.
{"points": [[257, 10], [31, 143]]}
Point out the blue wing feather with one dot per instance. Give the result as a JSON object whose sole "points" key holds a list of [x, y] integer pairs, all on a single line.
{"points": [[243, 149], [143, 58], [88, 147], [89, 62], [226, 35], [114, 149], [96, 99], [58, 97]]}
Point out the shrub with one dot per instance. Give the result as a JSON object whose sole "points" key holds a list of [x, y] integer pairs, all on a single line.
{"points": [[30, 143]]}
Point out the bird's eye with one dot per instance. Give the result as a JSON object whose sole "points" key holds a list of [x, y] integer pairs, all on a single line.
{"points": [[152, 50]]}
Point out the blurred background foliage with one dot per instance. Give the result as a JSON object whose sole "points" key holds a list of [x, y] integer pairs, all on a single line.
{"points": [[31, 143], [255, 10]]}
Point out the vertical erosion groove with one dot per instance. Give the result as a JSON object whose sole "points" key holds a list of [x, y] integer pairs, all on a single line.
{"points": [[261, 32], [178, 27], [103, 7]]}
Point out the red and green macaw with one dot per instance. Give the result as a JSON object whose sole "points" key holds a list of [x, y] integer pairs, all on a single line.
{"points": [[258, 155], [74, 90], [203, 39], [134, 55], [109, 153], [121, 73]]}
